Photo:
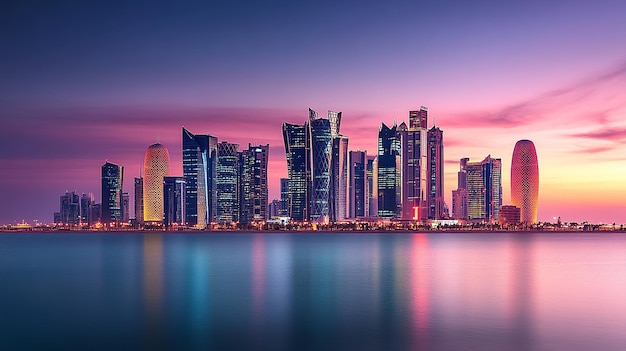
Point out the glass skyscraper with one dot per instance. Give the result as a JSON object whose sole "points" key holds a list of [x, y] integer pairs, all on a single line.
{"points": [[436, 201], [227, 182], [296, 138], [254, 192], [357, 164], [484, 189], [200, 172], [112, 181], [389, 175], [173, 201], [321, 145]]}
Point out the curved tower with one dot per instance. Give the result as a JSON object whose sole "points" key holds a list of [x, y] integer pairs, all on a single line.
{"points": [[525, 180], [156, 165]]}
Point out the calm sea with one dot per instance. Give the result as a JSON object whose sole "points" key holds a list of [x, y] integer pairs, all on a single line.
{"points": [[313, 291]]}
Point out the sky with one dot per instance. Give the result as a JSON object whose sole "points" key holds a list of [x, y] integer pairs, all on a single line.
{"points": [[88, 81]]}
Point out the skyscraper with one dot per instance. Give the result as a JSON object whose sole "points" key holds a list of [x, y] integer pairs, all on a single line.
{"points": [[200, 172], [371, 204], [173, 201], [414, 167], [112, 181], [339, 180], [296, 139], [484, 189], [435, 174], [320, 149], [125, 207], [156, 165], [139, 200], [254, 190], [525, 180], [69, 209], [388, 175], [357, 179], [227, 183], [86, 201]]}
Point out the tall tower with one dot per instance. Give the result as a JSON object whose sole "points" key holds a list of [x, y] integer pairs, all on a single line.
{"points": [[484, 188], [357, 179], [139, 200], [296, 139], [435, 174], [253, 191], [156, 165], [112, 181], [200, 172], [173, 201], [227, 182], [320, 149], [388, 171], [525, 180]]}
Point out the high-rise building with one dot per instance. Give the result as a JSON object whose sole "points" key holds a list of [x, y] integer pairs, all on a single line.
{"points": [[414, 168], [484, 189], [227, 183], [139, 200], [525, 180], [321, 156], [112, 181], [283, 210], [389, 171], [371, 204], [200, 172], [174, 201], [459, 196], [125, 207], [273, 209], [254, 192], [357, 180], [339, 180], [96, 213], [86, 202], [509, 214], [296, 139], [436, 203], [156, 165], [69, 209]]}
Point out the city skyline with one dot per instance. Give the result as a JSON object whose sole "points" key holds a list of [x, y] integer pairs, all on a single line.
{"points": [[492, 73]]}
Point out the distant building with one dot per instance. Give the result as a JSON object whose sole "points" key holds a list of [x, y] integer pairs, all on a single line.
{"points": [[200, 172], [509, 215], [435, 176], [484, 189], [125, 207], [139, 200], [274, 209], [284, 197], [389, 172], [174, 201], [357, 180], [69, 209], [96, 213], [86, 203], [112, 182], [254, 191], [339, 172], [227, 182], [371, 185], [156, 165], [525, 180]]}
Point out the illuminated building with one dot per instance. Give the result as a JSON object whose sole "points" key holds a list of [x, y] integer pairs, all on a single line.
{"points": [[112, 182], [413, 151], [357, 179], [173, 201], [200, 172], [388, 175], [320, 149], [339, 180], [296, 138], [484, 189], [227, 183], [254, 192], [69, 209], [95, 213], [139, 200], [525, 180], [156, 165], [435, 173]]}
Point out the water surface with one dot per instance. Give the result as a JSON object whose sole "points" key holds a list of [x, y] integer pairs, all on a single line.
{"points": [[478, 291]]}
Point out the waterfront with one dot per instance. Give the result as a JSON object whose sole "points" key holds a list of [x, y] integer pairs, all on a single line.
{"points": [[470, 291]]}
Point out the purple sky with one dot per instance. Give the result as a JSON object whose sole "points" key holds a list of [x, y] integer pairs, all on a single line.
{"points": [[85, 82]]}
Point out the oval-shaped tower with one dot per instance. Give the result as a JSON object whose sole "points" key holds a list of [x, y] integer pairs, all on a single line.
{"points": [[525, 180], [156, 165]]}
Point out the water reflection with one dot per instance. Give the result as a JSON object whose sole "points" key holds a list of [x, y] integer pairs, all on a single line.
{"points": [[153, 289]]}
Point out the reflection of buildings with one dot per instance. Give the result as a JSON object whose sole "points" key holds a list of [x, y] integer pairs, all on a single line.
{"points": [[525, 180], [153, 288]]}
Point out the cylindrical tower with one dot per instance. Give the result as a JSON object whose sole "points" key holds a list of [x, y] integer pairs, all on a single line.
{"points": [[525, 180], [156, 165]]}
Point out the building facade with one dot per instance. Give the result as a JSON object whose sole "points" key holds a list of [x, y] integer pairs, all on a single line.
{"points": [[112, 182], [388, 172], [296, 138], [174, 201], [139, 200], [254, 191], [525, 180], [435, 175], [227, 182], [156, 165], [357, 180]]}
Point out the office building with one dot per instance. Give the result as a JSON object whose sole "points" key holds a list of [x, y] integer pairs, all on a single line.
{"points": [[200, 172], [320, 149], [139, 200], [435, 175], [371, 205], [283, 210], [86, 202], [296, 138], [484, 189], [69, 209], [125, 207], [112, 182], [174, 201], [227, 183], [357, 179], [509, 215], [389, 172], [254, 192], [339, 179]]}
